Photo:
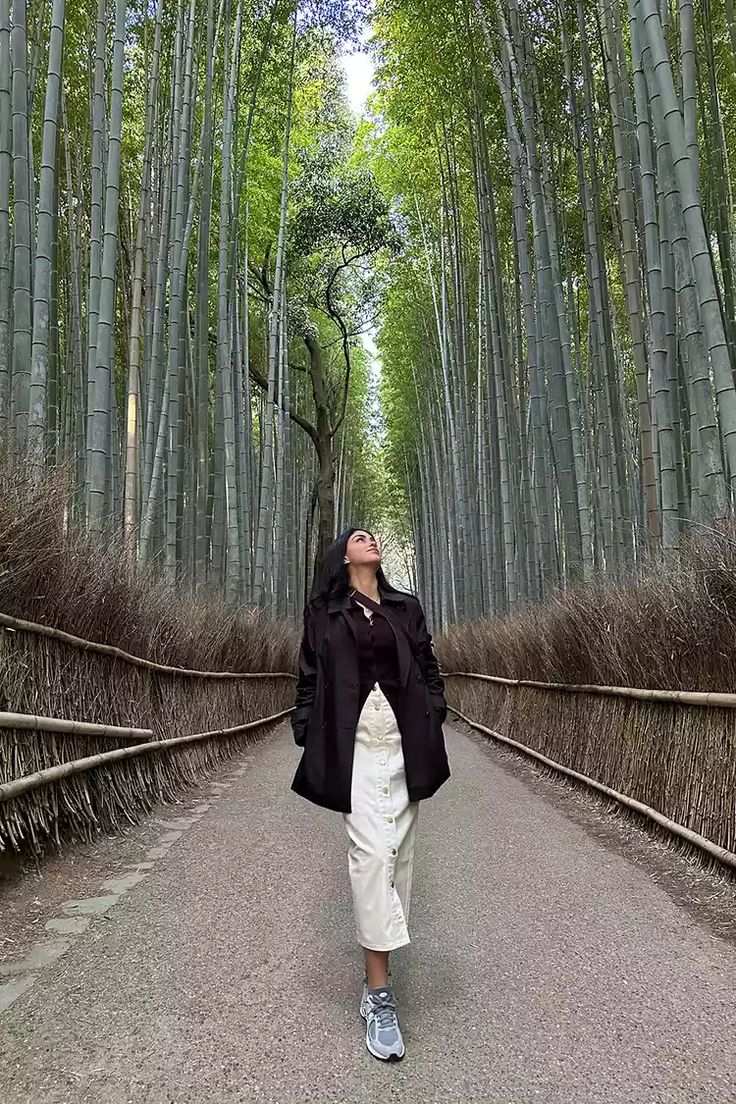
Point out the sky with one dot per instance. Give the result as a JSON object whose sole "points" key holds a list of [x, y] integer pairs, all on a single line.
{"points": [[359, 69]]}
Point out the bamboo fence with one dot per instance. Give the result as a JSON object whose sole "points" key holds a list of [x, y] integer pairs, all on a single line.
{"points": [[670, 752], [64, 779]]}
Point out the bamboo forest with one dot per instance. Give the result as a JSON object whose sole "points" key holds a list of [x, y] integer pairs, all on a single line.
{"points": [[367, 445], [490, 314]]}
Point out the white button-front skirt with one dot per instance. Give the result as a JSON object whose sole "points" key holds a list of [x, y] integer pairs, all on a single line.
{"points": [[381, 828]]}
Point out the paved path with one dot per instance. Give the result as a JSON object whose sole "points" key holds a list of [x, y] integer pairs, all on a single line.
{"points": [[550, 961]]}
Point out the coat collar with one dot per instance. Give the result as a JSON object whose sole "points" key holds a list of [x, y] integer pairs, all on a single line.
{"points": [[395, 597]]}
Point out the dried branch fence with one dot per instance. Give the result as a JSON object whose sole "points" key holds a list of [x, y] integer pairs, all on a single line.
{"points": [[668, 754], [62, 779]]}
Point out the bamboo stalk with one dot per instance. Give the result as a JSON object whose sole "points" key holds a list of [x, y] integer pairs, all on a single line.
{"points": [[117, 653], [43, 777], [728, 858], [33, 723], [709, 700]]}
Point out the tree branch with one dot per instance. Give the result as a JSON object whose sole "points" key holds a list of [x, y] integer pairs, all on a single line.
{"points": [[305, 425], [337, 318]]}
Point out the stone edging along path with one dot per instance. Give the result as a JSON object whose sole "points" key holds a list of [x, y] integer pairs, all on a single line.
{"points": [[75, 916]]}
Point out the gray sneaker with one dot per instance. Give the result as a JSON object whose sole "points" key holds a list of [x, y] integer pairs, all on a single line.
{"points": [[383, 1034]]}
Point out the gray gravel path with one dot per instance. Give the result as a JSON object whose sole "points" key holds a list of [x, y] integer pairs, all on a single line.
{"points": [[549, 962]]}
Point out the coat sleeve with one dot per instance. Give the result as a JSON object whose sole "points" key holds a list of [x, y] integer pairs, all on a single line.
{"points": [[435, 681], [306, 681]]}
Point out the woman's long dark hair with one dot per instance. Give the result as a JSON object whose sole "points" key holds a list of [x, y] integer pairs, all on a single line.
{"points": [[333, 580]]}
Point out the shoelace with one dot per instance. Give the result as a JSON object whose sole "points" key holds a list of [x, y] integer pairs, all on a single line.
{"points": [[384, 1012]]}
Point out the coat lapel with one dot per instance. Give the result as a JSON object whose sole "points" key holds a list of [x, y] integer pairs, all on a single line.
{"points": [[346, 614]]}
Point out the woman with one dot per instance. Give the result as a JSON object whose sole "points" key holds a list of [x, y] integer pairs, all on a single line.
{"points": [[369, 711]]}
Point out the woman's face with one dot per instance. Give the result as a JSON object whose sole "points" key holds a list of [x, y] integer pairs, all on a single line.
{"points": [[363, 548]]}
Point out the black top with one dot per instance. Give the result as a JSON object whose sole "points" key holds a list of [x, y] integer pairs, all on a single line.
{"points": [[377, 656]]}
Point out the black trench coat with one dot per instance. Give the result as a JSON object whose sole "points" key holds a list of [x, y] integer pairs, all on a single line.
{"points": [[326, 714]]}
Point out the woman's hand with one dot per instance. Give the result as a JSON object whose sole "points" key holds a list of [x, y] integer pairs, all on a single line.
{"points": [[440, 705], [299, 728]]}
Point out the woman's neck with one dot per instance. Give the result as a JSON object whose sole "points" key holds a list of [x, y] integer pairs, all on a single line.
{"points": [[364, 580]]}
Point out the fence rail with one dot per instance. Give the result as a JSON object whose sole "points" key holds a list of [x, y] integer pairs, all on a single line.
{"points": [[707, 699], [30, 782], [29, 722], [63, 779], [16, 624], [648, 750], [728, 858]]}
